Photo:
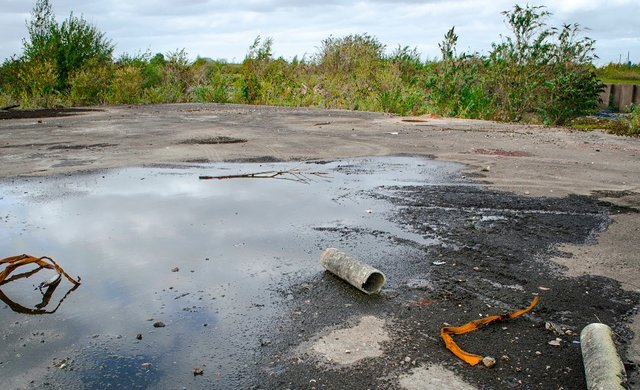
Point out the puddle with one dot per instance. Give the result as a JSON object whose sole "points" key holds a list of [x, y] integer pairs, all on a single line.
{"points": [[237, 244]]}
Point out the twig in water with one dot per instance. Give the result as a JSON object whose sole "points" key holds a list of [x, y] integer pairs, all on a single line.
{"points": [[296, 175]]}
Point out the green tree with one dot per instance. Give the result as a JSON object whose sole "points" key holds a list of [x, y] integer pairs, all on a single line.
{"points": [[253, 70], [458, 84], [68, 45], [542, 70]]}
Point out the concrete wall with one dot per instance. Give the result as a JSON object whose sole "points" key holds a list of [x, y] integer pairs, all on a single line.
{"points": [[620, 96]]}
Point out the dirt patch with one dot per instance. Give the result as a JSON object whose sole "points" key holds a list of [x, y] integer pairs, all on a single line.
{"points": [[213, 141], [348, 346], [43, 113], [500, 152], [595, 259], [433, 376], [81, 146]]}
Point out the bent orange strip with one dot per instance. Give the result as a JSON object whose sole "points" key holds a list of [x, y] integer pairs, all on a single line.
{"points": [[14, 262], [473, 359]]}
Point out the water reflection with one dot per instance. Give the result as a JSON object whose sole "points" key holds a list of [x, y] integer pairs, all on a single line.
{"points": [[40, 307], [15, 262], [236, 243]]}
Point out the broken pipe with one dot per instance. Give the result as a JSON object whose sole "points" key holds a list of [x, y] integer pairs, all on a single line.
{"points": [[360, 275]]}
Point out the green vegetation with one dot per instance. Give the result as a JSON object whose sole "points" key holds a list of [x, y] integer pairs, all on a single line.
{"points": [[620, 74], [537, 74], [622, 125]]}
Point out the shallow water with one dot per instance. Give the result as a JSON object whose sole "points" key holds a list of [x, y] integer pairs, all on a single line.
{"points": [[238, 244]]}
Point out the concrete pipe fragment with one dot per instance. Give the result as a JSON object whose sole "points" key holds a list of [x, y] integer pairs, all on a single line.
{"points": [[602, 366], [360, 275]]}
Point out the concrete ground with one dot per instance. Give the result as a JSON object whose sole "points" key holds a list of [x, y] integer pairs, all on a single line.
{"points": [[523, 159]]}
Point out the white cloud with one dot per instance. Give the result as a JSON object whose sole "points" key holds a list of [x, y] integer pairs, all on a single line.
{"points": [[225, 29]]}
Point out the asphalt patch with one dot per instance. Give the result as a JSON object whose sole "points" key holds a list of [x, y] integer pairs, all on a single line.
{"points": [[494, 255]]}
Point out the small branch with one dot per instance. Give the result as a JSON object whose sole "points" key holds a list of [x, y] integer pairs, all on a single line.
{"points": [[296, 175]]}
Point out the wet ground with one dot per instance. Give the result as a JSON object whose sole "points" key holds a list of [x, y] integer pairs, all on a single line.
{"points": [[231, 268]]}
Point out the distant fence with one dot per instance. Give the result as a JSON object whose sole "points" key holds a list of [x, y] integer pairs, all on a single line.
{"points": [[619, 97]]}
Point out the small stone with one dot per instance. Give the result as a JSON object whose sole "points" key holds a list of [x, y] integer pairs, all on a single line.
{"points": [[488, 361], [139, 336], [159, 324], [504, 358], [197, 371], [556, 342], [265, 342], [486, 169], [176, 269], [407, 359], [146, 365], [538, 353]]}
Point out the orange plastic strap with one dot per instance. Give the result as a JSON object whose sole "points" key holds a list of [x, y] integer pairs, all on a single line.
{"points": [[471, 358], [44, 262]]}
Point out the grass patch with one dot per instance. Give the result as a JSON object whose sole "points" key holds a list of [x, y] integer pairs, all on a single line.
{"points": [[622, 125], [620, 81]]}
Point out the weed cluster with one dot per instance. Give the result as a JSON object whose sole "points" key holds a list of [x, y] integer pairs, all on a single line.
{"points": [[539, 74]]}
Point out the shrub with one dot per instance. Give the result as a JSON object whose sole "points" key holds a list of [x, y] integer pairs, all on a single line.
{"points": [[248, 84], [37, 81], [457, 85], [126, 85], [67, 46], [89, 84], [634, 120], [542, 70], [214, 83]]}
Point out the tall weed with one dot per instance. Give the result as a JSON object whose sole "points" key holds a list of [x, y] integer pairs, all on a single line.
{"points": [[89, 84]]}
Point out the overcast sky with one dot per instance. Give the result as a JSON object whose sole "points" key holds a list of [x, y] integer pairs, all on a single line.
{"points": [[225, 29]]}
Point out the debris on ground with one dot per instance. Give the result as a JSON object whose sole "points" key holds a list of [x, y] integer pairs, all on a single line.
{"points": [[473, 359], [489, 362], [49, 285], [296, 175], [14, 262]]}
